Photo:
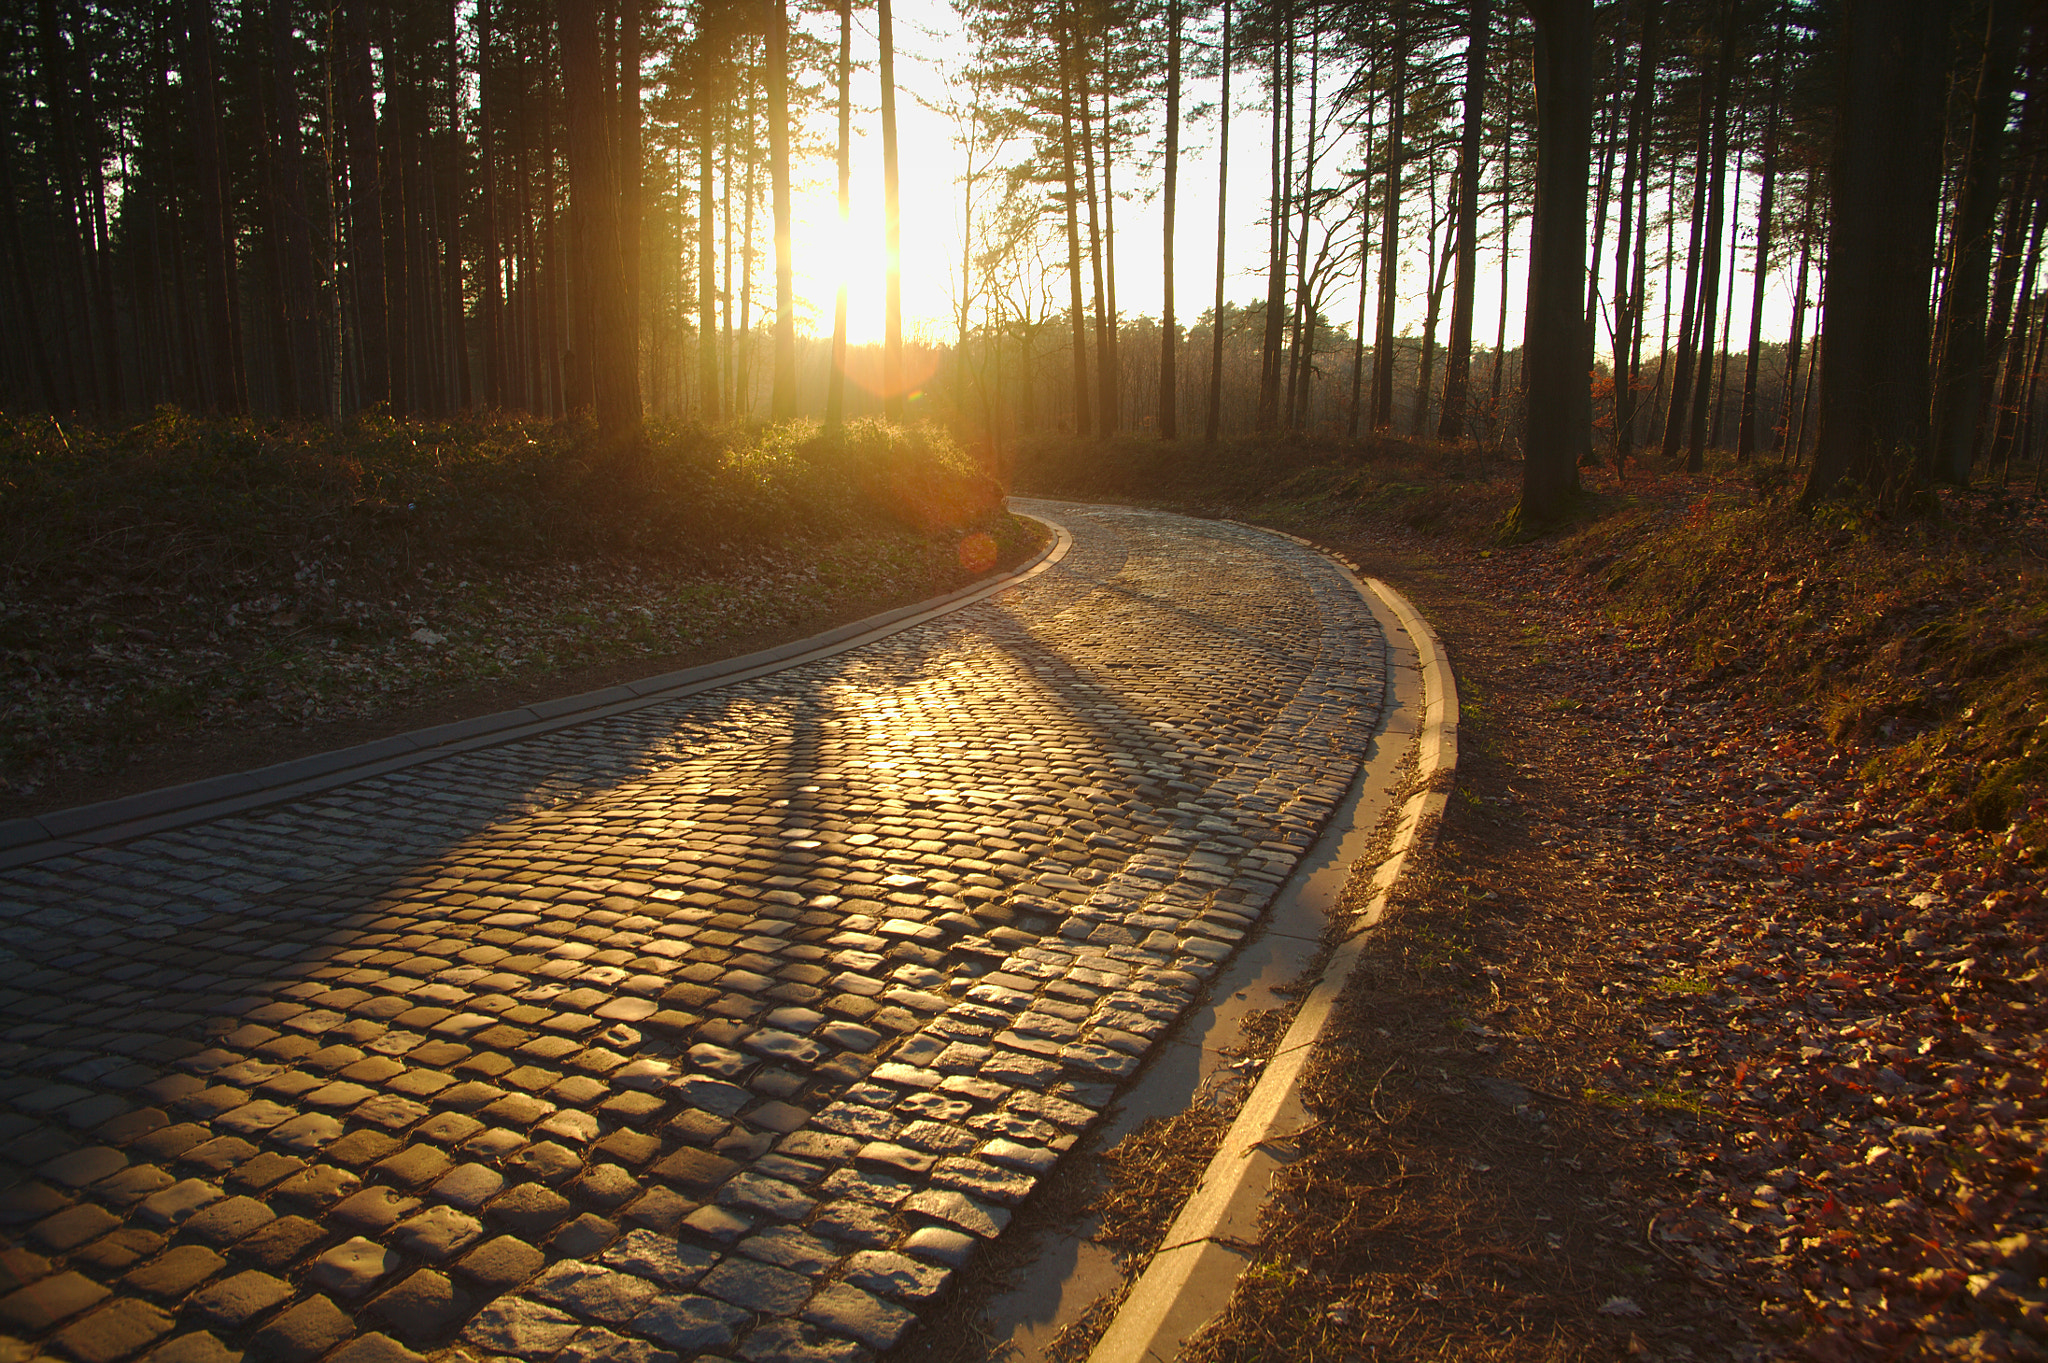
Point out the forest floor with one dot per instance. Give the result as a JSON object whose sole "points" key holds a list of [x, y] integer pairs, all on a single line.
{"points": [[1713, 1027]]}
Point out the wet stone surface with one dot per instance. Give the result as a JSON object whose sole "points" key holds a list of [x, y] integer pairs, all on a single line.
{"points": [[725, 1028]]}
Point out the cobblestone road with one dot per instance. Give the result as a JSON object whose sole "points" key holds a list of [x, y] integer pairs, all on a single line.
{"points": [[723, 1028]]}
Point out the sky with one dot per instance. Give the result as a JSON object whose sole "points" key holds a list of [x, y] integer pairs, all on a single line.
{"points": [[927, 35]]}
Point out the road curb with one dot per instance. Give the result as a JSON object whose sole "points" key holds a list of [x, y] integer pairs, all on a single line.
{"points": [[83, 827], [1189, 1278]]}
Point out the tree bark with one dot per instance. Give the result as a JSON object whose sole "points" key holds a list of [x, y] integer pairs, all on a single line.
{"points": [[1628, 301], [1710, 255], [1083, 422], [1110, 361], [892, 228], [1458, 346], [1276, 235], [1792, 346], [1688, 330], [835, 380], [1745, 436], [1383, 355], [782, 399], [1885, 204], [1212, 422], [488, 236], [1105, 395], [1303, 346], [629, 145], [604, 326], [1960, 370], [710, 373], [1557, 347], [1169, 392], [229, 391]]}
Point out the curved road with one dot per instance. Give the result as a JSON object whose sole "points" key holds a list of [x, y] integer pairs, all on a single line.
{"points": [[720, 1028]]}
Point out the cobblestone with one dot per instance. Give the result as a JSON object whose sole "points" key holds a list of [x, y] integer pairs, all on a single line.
{"points": [[729, 1025]]}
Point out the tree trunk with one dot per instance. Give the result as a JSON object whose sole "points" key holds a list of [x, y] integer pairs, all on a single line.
{"points": [[1458, 347], [452, 158], [743, 371], [606, 332], [1352, 413], [1688, 331], [835, 380], [1302, 356], [1792, 347], [1083, 422], [1885, 203], [1434, 280], [1557, 348], [1105, 395], [782, 402], [710, 374], [1111, 359], [229, 390], [1507, 241], [1169, 392], [629, 146], [1276, 236], [75, 321], [1212, 422], [1719, 410], [18, 269], [1960, 371], [1710, 253], [487, 232], [1610, 134], [892, 228], [1390, 228], [1628, 301], [1745, 436], [2015, 379]]}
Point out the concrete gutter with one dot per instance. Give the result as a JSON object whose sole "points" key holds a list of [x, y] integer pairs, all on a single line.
{"points": [[87, 826], [1189, 1280]]}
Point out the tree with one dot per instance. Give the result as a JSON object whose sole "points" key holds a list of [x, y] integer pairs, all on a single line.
{"points": [[1557, 344], [602, 328], [892, 227], [1885, 190], [835, 381], [229, 383], [1959, 378], [1458, 357], [1276, 234], [1169, 396], [782, 402], [1745, 437], [1390, 226], [1213, 418]]}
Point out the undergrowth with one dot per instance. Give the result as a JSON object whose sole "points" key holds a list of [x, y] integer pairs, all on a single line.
{"points": [[186, 575]]}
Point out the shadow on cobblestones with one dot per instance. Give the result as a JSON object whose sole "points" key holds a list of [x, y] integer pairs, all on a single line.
{"points": [[731, 1024]]}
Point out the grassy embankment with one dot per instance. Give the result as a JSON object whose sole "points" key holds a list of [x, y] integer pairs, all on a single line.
{"points": [[181, 596]]}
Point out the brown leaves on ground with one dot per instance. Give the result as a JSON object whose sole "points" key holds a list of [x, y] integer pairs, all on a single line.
{"points": [[1690, 1042]]}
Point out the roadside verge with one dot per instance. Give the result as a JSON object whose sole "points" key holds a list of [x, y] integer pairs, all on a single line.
{"points": [[1189, 1279]]}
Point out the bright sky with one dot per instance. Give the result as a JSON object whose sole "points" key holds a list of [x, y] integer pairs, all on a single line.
{"points": [[933, 164]]}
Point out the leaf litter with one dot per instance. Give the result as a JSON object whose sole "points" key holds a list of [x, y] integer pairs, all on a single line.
{"points": [[1776, 1021]]}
